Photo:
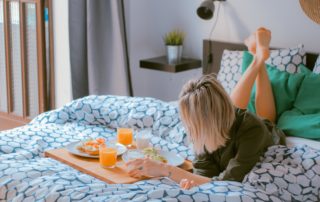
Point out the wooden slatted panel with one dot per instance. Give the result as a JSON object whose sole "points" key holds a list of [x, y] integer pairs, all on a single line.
{"points": [[41, 57], [24, 68], [3, 83], [8, 61], [27, 58], [15, 57], [31, 59], [51, 86], [25, 94]]}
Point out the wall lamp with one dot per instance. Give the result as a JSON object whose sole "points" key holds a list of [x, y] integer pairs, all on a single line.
{"points": [[206, 9], [206, 12]]}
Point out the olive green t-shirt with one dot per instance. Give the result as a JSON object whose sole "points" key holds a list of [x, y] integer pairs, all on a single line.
{"points": [[249, 138]]}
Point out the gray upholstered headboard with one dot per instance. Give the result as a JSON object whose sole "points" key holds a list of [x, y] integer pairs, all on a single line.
{"points": [[212, 54]]}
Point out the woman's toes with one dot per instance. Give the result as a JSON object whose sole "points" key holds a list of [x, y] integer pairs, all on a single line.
{"points": [[261, 29]]}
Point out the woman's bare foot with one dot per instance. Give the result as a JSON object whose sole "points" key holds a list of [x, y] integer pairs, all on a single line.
{"points": [[251, 44], [263, 38]]}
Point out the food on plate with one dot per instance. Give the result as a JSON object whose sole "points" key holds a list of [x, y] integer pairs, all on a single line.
{"points": [[91, 146], [152, 153]]}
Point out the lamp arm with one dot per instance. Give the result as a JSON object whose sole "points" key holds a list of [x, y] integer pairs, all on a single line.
{"points": [[216, 19]]}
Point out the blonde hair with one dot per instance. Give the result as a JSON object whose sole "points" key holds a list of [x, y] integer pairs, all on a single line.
{"points": [[207, 113]]}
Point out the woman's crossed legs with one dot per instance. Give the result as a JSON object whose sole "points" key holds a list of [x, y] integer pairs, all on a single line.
{"points": [[258, 45]]}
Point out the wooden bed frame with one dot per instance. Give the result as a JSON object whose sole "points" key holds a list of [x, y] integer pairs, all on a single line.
{"points": [[212, 54]]}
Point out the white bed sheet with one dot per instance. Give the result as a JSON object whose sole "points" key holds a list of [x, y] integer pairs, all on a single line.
{"points": [[297, 141]]}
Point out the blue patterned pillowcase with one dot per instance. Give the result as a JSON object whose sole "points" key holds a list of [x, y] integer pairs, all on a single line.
{"points": [[230, 69], [316, 68], [284, 59], [288, 59]]}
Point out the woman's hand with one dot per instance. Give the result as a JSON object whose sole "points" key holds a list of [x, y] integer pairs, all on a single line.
{"points": [[187, 184], [146, 167]]}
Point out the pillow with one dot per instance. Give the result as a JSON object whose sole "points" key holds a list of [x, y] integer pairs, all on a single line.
{"points": [[231, 62], [304, 119], [230, 69], [288, 59], [308, 98], [304, 69], [316, 68], [285, 86], [295, 123]]}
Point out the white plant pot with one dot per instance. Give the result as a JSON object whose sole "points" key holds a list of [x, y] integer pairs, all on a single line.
{"points": [[174, 54]]}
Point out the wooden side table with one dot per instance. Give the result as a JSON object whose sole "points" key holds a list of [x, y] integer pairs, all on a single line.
{"points": [[161, 64]]}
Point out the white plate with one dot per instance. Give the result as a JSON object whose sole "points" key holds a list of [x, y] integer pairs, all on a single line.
{"points": [[72, 148], [172, 158]]}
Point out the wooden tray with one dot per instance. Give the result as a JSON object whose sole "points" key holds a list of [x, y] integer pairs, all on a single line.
{"points": [[117, 175]]}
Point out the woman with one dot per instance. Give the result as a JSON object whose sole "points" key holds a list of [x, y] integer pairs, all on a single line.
{"points": [[227, 139]]}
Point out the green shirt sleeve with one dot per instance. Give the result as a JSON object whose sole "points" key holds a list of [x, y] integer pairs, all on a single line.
{"points": [[252, 141], [205, 165]]}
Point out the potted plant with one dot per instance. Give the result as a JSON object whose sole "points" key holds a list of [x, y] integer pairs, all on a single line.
{"points": [[174, 44]]}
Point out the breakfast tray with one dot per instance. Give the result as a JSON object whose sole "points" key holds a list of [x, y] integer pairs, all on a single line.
{"points": [[90, 166]]}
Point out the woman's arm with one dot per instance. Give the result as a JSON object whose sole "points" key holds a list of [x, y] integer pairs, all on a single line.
{"points": [[148, 167], [177, 174]]}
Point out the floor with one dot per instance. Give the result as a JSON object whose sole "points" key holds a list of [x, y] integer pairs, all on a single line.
{"points": [[7, 123]]}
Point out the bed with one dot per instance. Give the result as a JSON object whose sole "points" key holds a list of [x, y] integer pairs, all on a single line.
{"points": [[283, 174]]}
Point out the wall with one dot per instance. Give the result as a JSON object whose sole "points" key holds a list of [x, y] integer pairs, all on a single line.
{"points": [[148, 20], [61, 53]]}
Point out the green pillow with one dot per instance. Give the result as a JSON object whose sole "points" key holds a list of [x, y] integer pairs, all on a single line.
{"points": [[308, 98], [285, 86], [295, 123], [304, 69]]}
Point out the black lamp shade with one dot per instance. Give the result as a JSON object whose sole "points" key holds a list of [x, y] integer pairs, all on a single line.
{"points": [[206, 10]]}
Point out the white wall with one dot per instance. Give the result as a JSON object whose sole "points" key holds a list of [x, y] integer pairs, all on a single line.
{"points": [[148, 20], [61, 53]]}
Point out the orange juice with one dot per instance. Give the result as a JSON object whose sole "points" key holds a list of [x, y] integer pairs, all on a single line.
{"points": [[107, 157], [125, 136]]}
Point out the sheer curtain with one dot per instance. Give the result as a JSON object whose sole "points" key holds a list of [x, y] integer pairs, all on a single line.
{"points": [[99, 60]]}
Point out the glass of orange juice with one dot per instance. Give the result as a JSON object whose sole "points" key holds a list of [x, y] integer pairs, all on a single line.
{"points": [[107, 156], [125, 136]]}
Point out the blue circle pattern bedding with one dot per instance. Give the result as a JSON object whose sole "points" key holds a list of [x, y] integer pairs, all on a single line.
{"points": [[283, 174]]}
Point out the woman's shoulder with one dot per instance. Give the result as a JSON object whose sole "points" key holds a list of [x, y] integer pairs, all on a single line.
{"points": [[250, 129], [246, 118]]}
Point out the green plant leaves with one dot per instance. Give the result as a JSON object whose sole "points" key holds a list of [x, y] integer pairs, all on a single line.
{"points": [[174, 38]]}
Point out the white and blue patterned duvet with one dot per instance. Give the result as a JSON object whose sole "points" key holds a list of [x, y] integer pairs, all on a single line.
{"points": [[284, 174]]}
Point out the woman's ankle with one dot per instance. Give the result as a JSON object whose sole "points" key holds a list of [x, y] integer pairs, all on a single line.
{"points": [[262, 54], [258, 61]]}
